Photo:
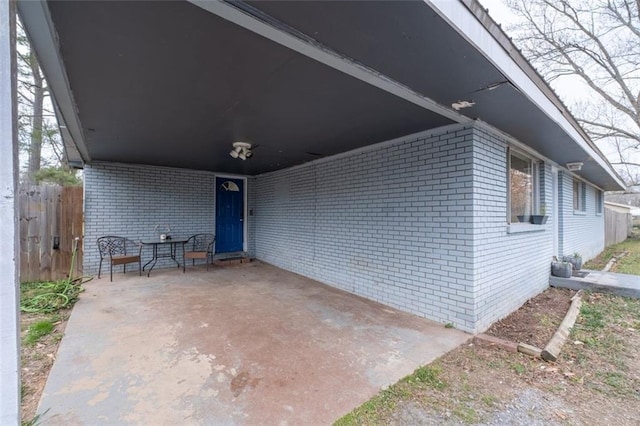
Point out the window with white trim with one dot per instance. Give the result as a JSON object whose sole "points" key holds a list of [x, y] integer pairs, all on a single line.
{"points": [[523, 187], [579, 195], [599, 201]]}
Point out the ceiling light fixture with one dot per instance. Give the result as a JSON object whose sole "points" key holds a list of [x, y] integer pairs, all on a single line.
{"points": [[574, 167], [462, 104], [241, 150]]}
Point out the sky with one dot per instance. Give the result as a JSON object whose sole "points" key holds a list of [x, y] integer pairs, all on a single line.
{"points": [[570, 89]]}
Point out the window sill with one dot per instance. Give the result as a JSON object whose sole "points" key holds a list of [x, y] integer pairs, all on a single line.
{"points": [[518, 228], [598, 214], [580, 212]]}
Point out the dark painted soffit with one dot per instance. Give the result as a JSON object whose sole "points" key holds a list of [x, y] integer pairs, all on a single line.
{"points": [[167, 83]]}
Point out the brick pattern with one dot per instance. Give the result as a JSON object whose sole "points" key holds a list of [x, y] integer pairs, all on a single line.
{"points": [[418, 224], [509, 267], [392, 224], [129, 200], [580, 231]]}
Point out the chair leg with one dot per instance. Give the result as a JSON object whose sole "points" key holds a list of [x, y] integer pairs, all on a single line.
{"points": [[100, 268], [139, 267], [111, 271], [124, 268]]}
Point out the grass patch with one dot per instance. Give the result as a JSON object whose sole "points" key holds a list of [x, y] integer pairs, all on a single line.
{"points": [[603, 326], [38, 330], [430, 376], [627, 264], [411, 387], [489, 400], [593, 317], [518, 368]]}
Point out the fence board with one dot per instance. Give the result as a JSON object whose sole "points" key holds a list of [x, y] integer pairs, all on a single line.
{"points": [[617, 226], [71, 221], [47, 212]]}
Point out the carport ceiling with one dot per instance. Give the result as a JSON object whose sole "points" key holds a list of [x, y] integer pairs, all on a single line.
{"points": [[168, 83], [176, 83]]}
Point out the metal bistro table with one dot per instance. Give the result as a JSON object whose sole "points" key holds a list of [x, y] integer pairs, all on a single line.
{"points": [[171, 243]]}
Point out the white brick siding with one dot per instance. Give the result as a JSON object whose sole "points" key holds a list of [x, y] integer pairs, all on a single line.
{"points": [[129, 200], [393, 224], [510, 268], [580, 231], [419, 223]]}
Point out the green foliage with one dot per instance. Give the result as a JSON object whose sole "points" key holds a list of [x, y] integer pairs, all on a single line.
{"points": [[627, 254], [36, 420], [429, 375], [518, 368], [37, 331], [58, 175], [593, 317], [604, 323]]}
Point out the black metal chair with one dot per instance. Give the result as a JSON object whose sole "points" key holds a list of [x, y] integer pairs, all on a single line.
{"points": [[199, 246], [119, 251]]}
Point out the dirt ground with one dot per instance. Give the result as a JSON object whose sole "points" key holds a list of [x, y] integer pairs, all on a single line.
{"points": [[37, 361], [536, 321]]}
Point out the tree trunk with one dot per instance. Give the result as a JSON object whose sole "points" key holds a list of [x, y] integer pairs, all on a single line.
{"points": [[35, 145]]}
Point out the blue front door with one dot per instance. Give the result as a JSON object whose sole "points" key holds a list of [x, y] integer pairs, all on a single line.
{"points": [[229, 215]]}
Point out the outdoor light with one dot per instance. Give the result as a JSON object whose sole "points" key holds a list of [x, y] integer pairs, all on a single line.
{"points": [[574, 167], [241, 150], [235, 152]]}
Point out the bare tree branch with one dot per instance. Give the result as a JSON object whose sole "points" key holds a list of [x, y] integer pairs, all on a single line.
{"points": [[598, 42]]}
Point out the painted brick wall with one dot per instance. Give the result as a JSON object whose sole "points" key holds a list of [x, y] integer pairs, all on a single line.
{"points": [[129, 200], [509, 267], [418, 224], [583, 231], [393, 224]]}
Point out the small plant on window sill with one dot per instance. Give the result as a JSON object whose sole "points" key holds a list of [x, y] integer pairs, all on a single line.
{"points": [[540, 219]]}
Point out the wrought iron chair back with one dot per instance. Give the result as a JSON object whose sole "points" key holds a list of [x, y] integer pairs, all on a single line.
{"points": [[199, 246], [119, 251]]}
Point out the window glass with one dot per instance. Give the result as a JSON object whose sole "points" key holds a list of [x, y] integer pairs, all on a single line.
{"points": [[521, 188], [578, 195]]}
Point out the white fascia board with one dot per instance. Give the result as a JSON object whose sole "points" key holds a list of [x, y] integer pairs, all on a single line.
{"points": [[37, 21], [459, 17], [326, 56]]}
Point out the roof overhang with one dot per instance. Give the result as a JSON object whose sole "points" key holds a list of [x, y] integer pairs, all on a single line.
{"points": [[175, 83]]}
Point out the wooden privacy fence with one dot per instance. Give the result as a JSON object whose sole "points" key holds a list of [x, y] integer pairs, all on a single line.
{"points": [[617, 226], [50, 219]]}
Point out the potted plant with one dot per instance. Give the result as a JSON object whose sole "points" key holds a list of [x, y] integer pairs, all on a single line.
{"points": [[540, 219], [561, 269], [575, 259]]}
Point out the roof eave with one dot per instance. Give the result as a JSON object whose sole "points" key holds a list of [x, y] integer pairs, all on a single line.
{"points": [[472, 20]]}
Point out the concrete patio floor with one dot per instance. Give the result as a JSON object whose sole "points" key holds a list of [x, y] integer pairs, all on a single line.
{"points": [[248, 344]]}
